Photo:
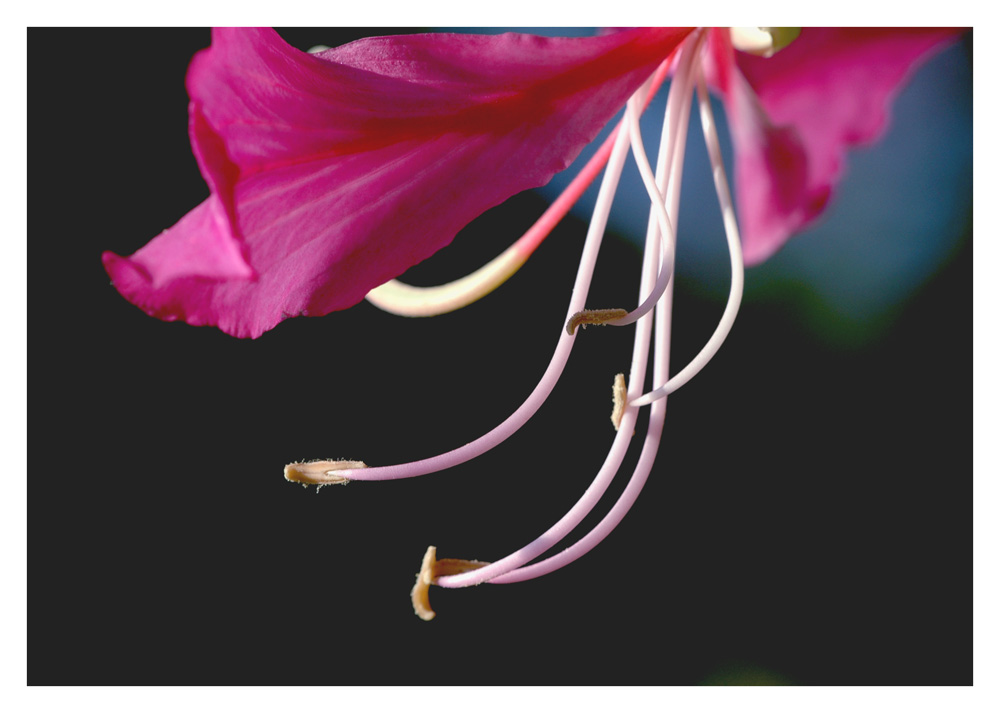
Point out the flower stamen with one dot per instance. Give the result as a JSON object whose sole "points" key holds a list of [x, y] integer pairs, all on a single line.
{"points": [[430, 569], [586, 317], [322, 472], [661, 364], [661, 371], [560, 357], [655, 291], [508, 568], [735, 255], [674, 134]]}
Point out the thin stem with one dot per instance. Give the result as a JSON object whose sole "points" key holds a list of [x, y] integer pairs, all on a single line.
{"points": [[650, 447], [585, 273], [405, 300], [674, 139], [612, 463], [657, 410], [670, 154], [735, 255]]}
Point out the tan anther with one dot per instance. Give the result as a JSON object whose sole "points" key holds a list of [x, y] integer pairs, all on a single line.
{"points": [[620, 397], [430, 570], [320, 472], [593, 316]]}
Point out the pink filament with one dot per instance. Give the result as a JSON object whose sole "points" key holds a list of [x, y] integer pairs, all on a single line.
{"points": [[534, 236], [511, 568], [528, 242]]}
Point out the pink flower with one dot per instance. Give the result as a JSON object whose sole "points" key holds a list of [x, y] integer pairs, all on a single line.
{"points": [[333, 173]]}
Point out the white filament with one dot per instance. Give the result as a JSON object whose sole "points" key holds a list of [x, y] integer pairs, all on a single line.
{"points": [[735, 257]]}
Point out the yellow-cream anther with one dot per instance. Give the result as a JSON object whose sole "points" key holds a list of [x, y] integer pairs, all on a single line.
{"points": [[320, 472], [430, 570], [620, 398]]}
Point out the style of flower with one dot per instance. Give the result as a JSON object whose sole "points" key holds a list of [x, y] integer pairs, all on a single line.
{"points": [[333, 172]]}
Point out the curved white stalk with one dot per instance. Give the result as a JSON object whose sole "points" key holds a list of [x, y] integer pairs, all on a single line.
{"points": [[669, 159], [671, 155], [585, 272], [406, 300], [506, 567], [735, 257]]}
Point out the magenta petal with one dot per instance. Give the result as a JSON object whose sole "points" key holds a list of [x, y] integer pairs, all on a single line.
{"points": [[341, 170], [200, 245], [794, 115], [774, 197]]}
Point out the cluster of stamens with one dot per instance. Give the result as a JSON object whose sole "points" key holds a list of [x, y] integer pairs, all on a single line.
{"points": [[655, 301]]}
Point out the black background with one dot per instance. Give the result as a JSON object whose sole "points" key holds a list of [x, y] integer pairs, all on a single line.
{"points": [[808, 520]]}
